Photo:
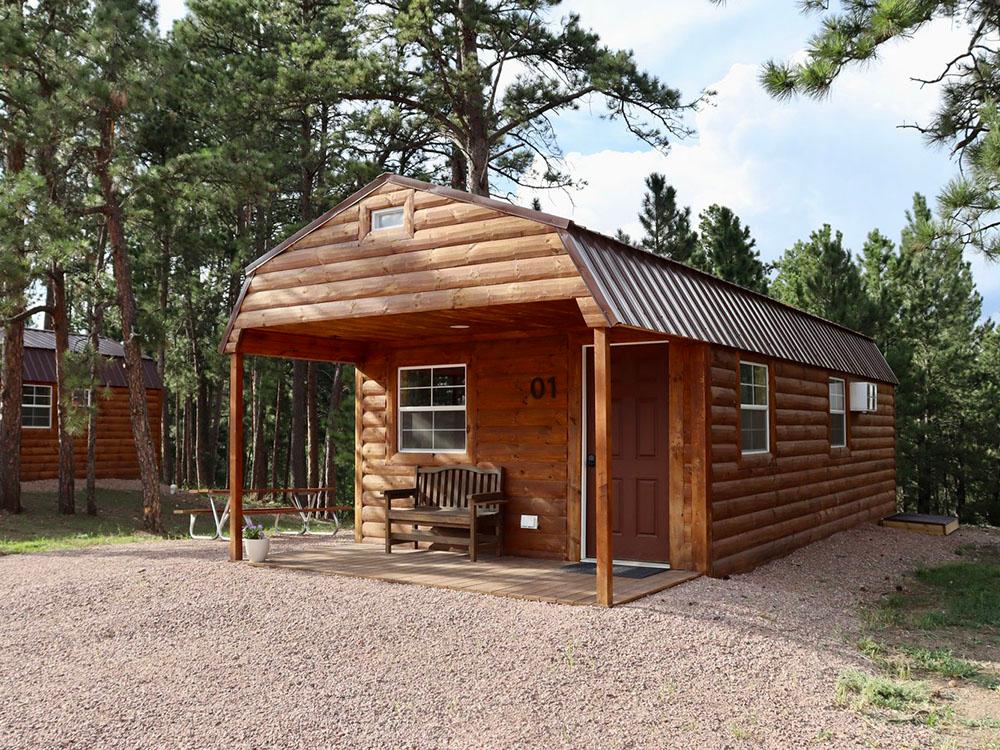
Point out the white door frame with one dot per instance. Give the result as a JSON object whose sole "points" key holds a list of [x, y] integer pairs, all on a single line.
{"points": [[583, 461]]}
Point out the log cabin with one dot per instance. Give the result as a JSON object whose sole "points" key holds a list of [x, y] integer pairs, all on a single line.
{"points": [[115, 449], [642, 411]]}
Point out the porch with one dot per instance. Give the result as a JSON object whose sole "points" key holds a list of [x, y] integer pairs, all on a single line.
{"points": [[513, 577]]}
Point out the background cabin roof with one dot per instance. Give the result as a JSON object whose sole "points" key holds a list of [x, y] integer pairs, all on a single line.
{"points": [[40, 361], [638, 289]]}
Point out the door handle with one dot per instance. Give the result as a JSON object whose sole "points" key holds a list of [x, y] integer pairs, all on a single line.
{"points": [[591, 460]]}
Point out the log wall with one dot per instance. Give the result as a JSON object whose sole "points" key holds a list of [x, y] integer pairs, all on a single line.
{"points": [[764, 506], [116, 455], [507, 427]]}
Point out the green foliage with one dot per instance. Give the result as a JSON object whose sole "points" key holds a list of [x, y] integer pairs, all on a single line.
{"points": [[820, 276], [729, 249], [966, 120], [667, 225], [485, 77]]}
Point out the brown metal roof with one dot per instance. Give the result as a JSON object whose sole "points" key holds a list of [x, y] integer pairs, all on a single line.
{"points": [[40, 361], [638, 289], [642, 290]]}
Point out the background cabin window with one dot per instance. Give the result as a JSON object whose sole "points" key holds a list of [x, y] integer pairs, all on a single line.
{"points": [[432, 409], [387, 218], [36, 406], [753, 408], [838, 414]]}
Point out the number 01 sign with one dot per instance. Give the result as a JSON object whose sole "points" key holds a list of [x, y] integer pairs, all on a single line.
{"points": [[541, 386]]}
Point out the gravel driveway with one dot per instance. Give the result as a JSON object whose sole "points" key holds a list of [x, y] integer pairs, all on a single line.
{"points": [[165, 645]]}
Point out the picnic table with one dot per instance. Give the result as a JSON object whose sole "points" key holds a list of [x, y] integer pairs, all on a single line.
{"points": [[218, 507]]}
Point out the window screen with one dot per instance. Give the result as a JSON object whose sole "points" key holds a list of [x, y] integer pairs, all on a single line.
{"points": [[36, 406], [754, 432]]}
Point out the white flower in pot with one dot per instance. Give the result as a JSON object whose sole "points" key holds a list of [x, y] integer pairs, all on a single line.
{"points": [[255, 542]]}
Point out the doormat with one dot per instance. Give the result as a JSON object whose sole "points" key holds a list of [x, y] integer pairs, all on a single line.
{"points": [[621, 571]]}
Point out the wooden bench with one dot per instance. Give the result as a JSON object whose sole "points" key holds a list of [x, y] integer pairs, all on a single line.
{"points": [[455, 504]]}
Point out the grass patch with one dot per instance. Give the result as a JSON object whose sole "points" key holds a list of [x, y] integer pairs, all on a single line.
{"points": [[863, 691], [968, 592], [41, 528]]}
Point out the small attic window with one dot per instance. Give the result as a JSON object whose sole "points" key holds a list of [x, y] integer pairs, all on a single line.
{"points": [[387, 218]]}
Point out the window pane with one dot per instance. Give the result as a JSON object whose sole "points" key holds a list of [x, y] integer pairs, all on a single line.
{"points": [[387, 218], [449, 376], [414, 378], [838, 430], [836, 395], [753, 384], [416, 440], [753, 428], [449, 396], [449, 420], [417, 420], [415, 397], [449, 440]]}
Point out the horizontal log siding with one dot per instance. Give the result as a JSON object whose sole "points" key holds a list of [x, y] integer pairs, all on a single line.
{"points": [[508, 428], [116, 456], [459, 256], [766, 506]]}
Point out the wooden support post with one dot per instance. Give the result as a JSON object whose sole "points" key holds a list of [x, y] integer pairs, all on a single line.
{"points": [[602, 450], [236, 456]]}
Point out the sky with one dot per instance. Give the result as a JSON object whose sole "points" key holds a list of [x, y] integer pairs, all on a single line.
{"points": [[786, 168]]}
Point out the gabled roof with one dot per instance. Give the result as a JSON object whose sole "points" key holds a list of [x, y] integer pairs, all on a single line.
{"points": [[638, 289], [40, 361]]}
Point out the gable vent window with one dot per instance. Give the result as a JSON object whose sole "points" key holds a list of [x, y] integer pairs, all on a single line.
{"points": [[387, 218], [754, 432], [838, 414]]}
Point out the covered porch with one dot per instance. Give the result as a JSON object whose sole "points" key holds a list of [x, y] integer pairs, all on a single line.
{"points": [[512, 577]]}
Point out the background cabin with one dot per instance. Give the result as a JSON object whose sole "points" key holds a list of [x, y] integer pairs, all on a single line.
{"points": [[115, 456], [640, 409]]}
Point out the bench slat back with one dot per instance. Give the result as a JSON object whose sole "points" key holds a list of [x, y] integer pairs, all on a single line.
{"points": [[450, 486]]}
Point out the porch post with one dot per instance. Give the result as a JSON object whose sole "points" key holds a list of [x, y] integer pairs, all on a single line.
{"points": [[602, 450], [236, 456]]}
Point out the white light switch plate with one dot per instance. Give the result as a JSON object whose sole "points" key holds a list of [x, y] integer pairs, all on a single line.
{"points": [[529, 522]]}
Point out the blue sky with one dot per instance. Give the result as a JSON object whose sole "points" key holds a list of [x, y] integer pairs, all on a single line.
{"points": [[785, 168]]}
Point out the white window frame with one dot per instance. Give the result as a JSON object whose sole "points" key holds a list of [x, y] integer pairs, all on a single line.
{"points": [[842, 412], [400, 408], [765, 407], [401, 210], [35, 406]]}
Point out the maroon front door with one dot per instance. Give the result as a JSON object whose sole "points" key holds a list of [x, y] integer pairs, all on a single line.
{"points": [[639, 446]]}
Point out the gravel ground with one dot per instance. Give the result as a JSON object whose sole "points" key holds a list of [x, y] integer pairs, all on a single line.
{"points": [[165, 645]]}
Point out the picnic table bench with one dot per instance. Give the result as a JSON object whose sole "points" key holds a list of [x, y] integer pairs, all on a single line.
{"points": [[451, 505], [218, 507]]}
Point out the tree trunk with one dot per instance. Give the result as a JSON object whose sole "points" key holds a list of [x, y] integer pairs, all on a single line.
{"points": [[312, 431], [297, 443], [166, 454], [96, 315], [258, 476], [189, 473], [60, 322], [12, 371], [477, 147], [276, 441], [459, 169], [139, 414], [330, 446]]}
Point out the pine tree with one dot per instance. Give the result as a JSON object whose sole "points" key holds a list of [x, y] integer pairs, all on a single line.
{"points": [[821, 277], [667, 226], [729, 249]]}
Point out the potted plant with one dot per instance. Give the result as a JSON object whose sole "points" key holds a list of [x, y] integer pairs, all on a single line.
{"points": [[255, 541]]}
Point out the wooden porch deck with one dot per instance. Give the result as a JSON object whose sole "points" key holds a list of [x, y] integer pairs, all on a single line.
{"points": [[515, 577]]}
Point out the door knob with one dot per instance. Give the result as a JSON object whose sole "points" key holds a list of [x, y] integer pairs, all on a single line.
{"points": [[591, 459]]}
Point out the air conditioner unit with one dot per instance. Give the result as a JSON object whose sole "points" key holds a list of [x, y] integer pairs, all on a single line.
{"points": [[864, 397]]}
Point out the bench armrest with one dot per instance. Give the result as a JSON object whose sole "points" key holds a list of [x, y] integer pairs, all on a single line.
{"points": [[487, 498], [392, 494]]}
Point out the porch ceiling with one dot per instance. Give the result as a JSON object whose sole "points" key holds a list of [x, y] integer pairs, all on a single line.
{"points": [[560, 315]]}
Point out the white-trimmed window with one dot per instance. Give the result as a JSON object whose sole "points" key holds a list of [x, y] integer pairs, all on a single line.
{"points": [[838, 413], [754, 428], [432, 409], [36, 406], [387, 218]]}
